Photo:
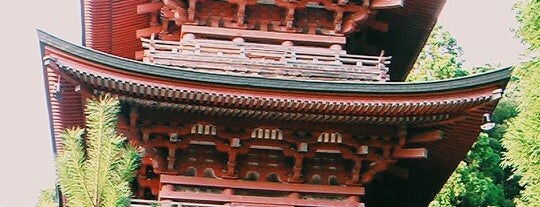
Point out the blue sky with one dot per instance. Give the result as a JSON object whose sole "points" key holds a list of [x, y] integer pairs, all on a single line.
{"points": [[482, 27]]}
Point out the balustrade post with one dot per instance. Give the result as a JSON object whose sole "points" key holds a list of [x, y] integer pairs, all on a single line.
{"points": [[171, 158]]}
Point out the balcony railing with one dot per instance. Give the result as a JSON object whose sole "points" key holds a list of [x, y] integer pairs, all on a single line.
{"points": [[154, 203], [266, 60]]}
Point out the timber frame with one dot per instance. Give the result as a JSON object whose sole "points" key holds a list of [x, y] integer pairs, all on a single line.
{"points": [[399, 27], [271, 102], [354, 141]]}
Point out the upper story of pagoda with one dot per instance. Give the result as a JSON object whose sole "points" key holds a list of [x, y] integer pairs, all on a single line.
{"points": [[310, 40]]}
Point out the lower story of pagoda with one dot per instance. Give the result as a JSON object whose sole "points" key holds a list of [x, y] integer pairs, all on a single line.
{"points": [[228, 160]]}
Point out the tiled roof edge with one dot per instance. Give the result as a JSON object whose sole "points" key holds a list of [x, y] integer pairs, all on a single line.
{"points": [[494, 76]]}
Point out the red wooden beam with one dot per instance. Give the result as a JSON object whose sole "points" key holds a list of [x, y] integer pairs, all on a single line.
{"points": [[426, 136], [283, 201], [150, 7], [218, 31], [385, 4], [268, 186], [50, 62], [146, 32], [410, 153]]}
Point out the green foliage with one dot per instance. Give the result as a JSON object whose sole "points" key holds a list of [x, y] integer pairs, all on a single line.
{"points": [[523, 137], [485, 68], [479, 180], [47, 198], [100, 173], [439, 59], [529, 19]]}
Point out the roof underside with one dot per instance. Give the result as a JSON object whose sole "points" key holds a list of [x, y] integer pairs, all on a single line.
{"points": [[454, 106], [110, 26]]}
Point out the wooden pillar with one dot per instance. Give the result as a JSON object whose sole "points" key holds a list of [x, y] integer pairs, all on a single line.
{"points": [[241, 13], [191, 10], [289, 18], [386, 151], [338, 21], [133, 115], [402, 136], [85, 95], [355, 172], [146, 136], [297, 168], [231, 164], [171, 159]]}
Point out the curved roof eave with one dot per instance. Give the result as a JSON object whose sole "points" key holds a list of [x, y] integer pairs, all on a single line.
{"points": [[128, 65]]}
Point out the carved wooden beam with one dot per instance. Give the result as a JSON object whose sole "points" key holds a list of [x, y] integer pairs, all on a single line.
{"points": [[374, 168], [353, 21], [174, 11]]}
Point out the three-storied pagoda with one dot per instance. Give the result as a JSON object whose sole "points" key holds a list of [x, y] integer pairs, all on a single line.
{"points": [[272, 102]]}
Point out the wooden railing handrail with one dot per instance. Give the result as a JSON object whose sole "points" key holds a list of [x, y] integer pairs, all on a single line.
{"points": [[264, 186], [316, 52], [151, 203], [322, 67], [266, 60]]}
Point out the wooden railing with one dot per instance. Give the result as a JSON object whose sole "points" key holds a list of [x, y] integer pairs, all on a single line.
{"points": [[239, 192], [154, 203], [266, 60]]}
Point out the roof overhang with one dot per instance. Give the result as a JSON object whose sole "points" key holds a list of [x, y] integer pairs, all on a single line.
{"points": [[461, 102]]}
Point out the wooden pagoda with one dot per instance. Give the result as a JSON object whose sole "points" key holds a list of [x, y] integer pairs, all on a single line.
{"points": [[272, 102]]}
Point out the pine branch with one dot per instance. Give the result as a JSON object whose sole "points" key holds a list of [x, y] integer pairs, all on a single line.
{"points": [[71, 169], [102, 138], [101, 177]]}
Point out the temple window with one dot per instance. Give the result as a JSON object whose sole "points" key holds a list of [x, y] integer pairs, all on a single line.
{"points": [[327, 137], [315, 179], [191, 171], [252, 176], [209, 173], [273, 177], [205, 129], [262, 133], [333, 180]]}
